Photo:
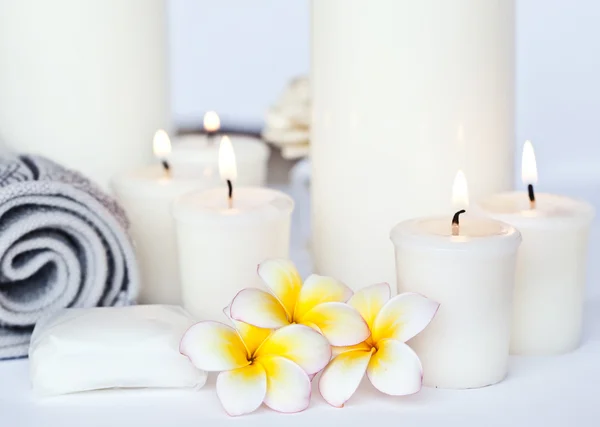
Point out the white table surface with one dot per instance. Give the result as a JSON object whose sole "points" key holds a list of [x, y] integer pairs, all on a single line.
{"points": [[552, 391]]}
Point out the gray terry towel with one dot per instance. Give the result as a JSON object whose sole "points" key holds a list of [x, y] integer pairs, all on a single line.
{"points": [[63, 243]]}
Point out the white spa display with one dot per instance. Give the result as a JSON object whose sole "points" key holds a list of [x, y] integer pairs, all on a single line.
{"points": [[222, 240], [414, 91], [80, 83], [551, 268], [147, 194], [98, 348], [471, 275]]}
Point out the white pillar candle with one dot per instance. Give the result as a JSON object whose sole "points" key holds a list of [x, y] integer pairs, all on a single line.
{"points": [[551, 267], [147, 195], [222, 237], [471, 275], [84, 82], [404, 93]]}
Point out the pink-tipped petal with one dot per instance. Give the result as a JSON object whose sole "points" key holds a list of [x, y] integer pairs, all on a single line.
{"points": [[341, 324], [213, 346], [251, 336], [288, 386], [403, 317], [317, 290], [242, 390], [342, 376], [370, 300], [395, 369], [282, 278], [301, 344], [258, 308]]}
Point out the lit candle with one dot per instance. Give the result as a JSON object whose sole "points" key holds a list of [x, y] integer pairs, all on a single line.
{"points": [[467, 264], [197, 155], [211, 123], [146, 194], [161, 145], [548, 301], [227, 167], [223, 234]]}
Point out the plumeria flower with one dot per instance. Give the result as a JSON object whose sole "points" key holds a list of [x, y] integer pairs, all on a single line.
{"points": [[258, 365], [319, 303], [391, 365]]}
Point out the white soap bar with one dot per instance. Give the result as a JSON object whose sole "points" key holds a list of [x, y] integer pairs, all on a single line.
{"points": [[98, 348]]}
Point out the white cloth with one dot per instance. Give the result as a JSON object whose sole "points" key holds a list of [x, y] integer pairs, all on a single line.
{"points": [[111, 347]]}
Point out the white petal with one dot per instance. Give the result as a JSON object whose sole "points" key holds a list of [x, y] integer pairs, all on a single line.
{"points": [[341, 324], [403, 317], [395, 369], [288, 386], [300, 344], [369, 300], [282, 278], [213, 346], [258, 308], [342, 376], [317, 290], [251, 336], [242, 390]]}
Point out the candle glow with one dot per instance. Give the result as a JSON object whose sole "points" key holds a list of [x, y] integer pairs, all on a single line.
{"points": [[161, 144], [460, 191], [227, 164], [212, 122], [528, 165]]}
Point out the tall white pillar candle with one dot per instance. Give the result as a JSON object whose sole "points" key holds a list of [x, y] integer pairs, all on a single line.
{"points": [[84, 82], [404, 93], [548, 306], [471, 275], [220, 247], [147, 195]]}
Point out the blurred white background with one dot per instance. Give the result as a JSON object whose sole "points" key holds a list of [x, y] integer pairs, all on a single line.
{"points": [[235, 57]]}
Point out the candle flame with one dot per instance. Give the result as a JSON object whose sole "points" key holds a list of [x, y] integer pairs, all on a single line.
{"points": [[227, 165], [212, 122], [528, 165], [460, 191], [161, 144]]}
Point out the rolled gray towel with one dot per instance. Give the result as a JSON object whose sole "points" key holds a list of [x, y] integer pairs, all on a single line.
{"points": [[63, 243]]}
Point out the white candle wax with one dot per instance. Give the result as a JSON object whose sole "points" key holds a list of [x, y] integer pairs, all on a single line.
{"points": [[147, 194], [196, 156], [220, 248], [472, 277], [84, 82], [551, 268], [438, 80]]}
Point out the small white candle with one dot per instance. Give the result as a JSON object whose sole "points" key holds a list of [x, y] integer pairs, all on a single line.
{"points": [[549, 292], [147, 194], [469, 270], [223, 235], [197, 155]]}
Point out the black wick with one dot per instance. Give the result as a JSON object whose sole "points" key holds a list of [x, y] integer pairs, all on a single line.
{"points": [[455, 222], [230, 192], [211, 136], [531, 196], [166, 166]]}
